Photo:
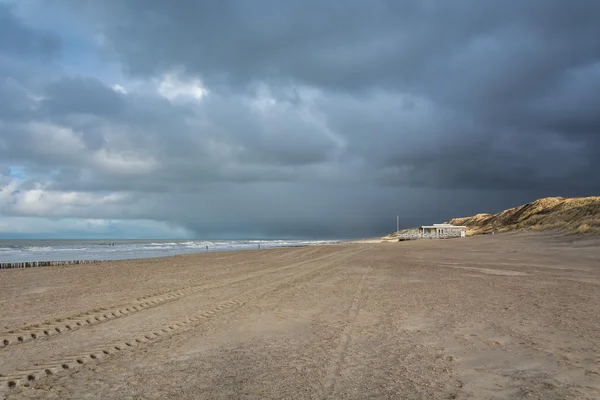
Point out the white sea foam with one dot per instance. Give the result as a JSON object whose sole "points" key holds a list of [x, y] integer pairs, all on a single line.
{"points": [[34, 248]]}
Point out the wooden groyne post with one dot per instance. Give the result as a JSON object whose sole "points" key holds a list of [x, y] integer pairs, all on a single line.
{"points": [[33, 264]]}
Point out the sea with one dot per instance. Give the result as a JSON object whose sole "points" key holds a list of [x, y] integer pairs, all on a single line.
{"points": [[18, 250]]}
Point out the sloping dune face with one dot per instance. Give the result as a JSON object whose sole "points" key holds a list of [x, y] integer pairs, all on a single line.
{"points": [[571, 215]]}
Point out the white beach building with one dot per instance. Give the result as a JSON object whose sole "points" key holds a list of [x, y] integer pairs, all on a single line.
{"points": [[443, 230]]}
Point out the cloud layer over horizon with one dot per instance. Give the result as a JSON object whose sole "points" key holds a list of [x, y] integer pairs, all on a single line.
{"points": [[318, 119]]}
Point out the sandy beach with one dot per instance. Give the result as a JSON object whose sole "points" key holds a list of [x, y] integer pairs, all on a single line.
{"points": [[506, 316]]}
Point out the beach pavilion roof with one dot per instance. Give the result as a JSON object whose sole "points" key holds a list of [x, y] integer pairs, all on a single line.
{"points": [[443, 226]]}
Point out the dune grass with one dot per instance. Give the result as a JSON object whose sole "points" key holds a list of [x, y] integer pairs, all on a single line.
{"points": [[570, 215]]}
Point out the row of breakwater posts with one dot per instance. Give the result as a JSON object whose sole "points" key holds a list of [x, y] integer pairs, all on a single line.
{"points": [[34, 264]]}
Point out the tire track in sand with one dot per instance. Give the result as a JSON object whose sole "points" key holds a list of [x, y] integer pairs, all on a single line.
{"points": [[22, 377], [102, 314], [337, 360]]}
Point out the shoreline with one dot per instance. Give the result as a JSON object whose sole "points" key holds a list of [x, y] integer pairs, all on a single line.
{"points": [[80, 258], [21, 264], [36, 264], [37, 256], [58, 263]]}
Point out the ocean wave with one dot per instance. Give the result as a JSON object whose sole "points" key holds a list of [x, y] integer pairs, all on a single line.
{"points": [[39, 248], [201, 244], [10, 249], [50, 248], [148, 248]]}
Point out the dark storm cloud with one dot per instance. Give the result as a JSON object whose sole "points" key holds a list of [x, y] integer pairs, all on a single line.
{"points": [[524, 76], [320, 118], [510, 48]]}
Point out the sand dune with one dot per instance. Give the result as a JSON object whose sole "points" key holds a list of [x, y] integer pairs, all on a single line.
{"points": [[571, 215]]}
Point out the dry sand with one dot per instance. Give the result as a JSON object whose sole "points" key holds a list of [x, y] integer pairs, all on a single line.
{"points": [[493, 317]]}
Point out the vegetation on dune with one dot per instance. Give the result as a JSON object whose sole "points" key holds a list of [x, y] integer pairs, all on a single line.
{"points": [[571, 215]]}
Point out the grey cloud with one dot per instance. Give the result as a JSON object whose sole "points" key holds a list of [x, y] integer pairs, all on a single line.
{"points": [[222, 139], [512, 69], [14, 100], [18, 39], [426, 109], [81, 96], [357, 44], [280, 135]]}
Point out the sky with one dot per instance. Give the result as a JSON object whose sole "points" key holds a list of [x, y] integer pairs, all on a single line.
{"points": [[271, 119]]}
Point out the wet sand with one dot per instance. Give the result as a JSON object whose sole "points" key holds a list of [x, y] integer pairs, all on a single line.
{"points": [[492, 317]]}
